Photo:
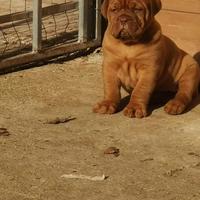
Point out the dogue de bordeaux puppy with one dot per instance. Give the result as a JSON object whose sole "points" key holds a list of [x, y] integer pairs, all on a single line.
{"points": [[139, 58]]}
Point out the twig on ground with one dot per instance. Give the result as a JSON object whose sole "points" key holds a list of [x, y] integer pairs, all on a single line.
{"points": [[84, 177], [60, 120], [147, 159]]}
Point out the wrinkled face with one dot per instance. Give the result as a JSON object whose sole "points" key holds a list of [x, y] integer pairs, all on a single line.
{"points": [[128, 19]]}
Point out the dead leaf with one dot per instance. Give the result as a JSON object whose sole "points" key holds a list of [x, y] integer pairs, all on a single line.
{"points": [[4, 132], [174, 172], [112, 150], [84, 177], [194, 154]]}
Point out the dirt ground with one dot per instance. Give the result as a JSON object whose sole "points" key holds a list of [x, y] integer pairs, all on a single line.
{"points": [[159, 155]]}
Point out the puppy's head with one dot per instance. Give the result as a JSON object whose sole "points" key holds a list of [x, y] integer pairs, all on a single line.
{"points": [[128, 19]]}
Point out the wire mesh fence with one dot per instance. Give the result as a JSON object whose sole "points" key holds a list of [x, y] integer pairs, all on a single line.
{"points": [[59, 24], [62, 22]]}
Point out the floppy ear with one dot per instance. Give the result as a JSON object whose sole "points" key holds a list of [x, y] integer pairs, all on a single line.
{"points": [[104, 8], [156, 6]]}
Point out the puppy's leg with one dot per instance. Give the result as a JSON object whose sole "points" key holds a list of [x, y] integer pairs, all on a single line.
{"points": [[140, 96], [112, 94], [188, 88]]}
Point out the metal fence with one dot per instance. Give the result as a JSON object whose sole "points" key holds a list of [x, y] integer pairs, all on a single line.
{"points": [[33, 30]]}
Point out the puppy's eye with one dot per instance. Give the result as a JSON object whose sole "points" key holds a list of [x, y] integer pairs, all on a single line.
{"points": [[138, 9], [114, 9]]}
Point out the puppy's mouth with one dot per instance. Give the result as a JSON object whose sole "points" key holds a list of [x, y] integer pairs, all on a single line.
{"points": [[126, 37]]}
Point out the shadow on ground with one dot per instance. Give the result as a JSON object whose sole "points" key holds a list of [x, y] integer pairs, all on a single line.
{"points": [[158, 100], [197, 57]]}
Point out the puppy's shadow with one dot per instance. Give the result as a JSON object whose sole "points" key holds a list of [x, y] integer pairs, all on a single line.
{"points": [[158, 100], [196, 101], [123, 103], [197, 57]]}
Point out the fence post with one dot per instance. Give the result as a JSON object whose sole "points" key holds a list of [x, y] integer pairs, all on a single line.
{"points": [[83, 20], [37, 25], [98, 32]]}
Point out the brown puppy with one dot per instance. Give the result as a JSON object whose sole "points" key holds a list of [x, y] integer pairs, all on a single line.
{"points": [[139, 58]]}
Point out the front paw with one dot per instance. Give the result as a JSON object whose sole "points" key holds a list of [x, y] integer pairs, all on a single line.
{"points": [[175, 107], [135, 111], [105, 107]]}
